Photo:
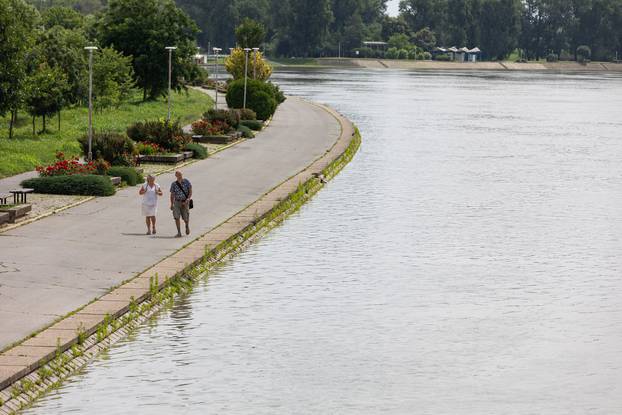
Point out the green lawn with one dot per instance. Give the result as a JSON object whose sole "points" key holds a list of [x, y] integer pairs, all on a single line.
{"points": [[24, 152]]}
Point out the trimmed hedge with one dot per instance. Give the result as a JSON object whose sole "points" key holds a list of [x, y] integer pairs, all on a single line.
{"points": [[252, 124], [200, 152], [128, 174], [246, 132], [80, 184]]}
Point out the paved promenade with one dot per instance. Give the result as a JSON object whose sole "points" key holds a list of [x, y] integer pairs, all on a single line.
{"points": [[53, 266]]}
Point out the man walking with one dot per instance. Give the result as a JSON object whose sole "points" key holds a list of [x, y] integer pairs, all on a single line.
{"points": [[181, 200]]}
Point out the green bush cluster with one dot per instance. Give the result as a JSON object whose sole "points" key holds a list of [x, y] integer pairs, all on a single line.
{"points": [[168, 135], [200, 152], [246, 132], [261, 97], [247, 114], [84, 185], [584, 53], [552, 57], [252, 124], [128, 174], [114, 148], [231, 117], [444, 57]]}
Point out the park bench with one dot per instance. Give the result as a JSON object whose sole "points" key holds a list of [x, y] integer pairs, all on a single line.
{"points": [[19, 195]]}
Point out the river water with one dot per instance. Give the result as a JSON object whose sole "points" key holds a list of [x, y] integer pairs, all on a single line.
{"points": [[466, 262]]}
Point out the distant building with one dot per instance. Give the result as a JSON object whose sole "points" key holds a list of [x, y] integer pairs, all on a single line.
{"points": [[375, 45], [463, 54]]}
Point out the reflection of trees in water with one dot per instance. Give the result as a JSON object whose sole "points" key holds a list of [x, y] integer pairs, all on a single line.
{"points": [[181, 312]]}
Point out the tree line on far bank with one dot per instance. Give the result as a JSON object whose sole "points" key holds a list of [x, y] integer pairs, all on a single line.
{"points": [[44, 66], [305, 28], [313, 28]]}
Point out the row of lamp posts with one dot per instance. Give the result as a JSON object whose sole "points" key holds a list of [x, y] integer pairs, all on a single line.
{"points": [[246, 53], [170, 50]]}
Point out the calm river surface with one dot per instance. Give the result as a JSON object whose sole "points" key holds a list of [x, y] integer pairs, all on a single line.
{"points": [[468, 261]]}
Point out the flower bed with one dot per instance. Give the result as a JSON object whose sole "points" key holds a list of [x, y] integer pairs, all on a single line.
{"points": [[66, 167]]}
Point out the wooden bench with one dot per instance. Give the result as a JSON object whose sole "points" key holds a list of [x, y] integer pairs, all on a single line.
{"points": [[19, 195]]}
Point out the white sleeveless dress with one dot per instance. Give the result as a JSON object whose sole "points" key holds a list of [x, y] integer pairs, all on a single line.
{"points": [[150, 200]]}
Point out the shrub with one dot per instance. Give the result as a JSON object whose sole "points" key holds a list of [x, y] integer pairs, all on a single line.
{"points": [[128, 174], [252, 124], [205, 128], [392, 53], [412, 55], [246, 132], [85, 185], [443, 57], [168, 135], [552, 57], [264, 106], [427, 56], [199, 151], [247, 114], [64, 167], [584, 53], [402, 54], [114, 148], [147, 149], [101, 167], [276, 92], [231, 117]]}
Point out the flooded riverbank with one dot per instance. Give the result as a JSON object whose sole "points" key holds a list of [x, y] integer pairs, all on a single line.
{"points": [[467, 261]]}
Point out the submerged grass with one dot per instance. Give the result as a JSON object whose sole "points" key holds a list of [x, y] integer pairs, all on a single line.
{"points": [[24, 152]]}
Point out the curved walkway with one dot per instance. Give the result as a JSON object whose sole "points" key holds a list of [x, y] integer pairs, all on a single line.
{"points": [[54, 266]]}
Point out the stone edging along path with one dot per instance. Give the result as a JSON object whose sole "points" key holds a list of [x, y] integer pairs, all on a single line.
{"points": [[46, 359]]}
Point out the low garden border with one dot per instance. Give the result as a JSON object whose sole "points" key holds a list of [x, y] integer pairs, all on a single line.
{"points": [[43, 361]]}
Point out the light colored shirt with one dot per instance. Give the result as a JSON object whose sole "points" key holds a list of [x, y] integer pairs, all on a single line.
{"points": [[150, 198]]}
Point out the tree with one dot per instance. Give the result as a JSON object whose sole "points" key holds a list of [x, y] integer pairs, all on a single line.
{"points": [[45, 92], [425, 38], [400, 41], [250, 34], [258, 68], [62, 16], [584, 53], [64, 49], [309, 25], [142, 29], [113, 78], [18, 23]]}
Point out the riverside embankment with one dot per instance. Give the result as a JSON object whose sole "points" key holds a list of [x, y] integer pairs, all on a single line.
{"points": [[57, 265], [469, 66]]}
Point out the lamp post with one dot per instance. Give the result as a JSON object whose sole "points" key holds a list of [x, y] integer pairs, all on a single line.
{"points": [[170, 70], [255, 50], [217, 53], [246, 50], [90, 153]]}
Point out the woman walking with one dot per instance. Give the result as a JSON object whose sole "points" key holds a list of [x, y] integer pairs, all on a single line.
{"points": [[150, 192]]}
